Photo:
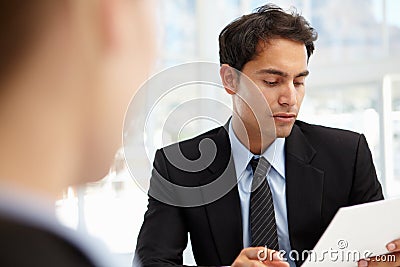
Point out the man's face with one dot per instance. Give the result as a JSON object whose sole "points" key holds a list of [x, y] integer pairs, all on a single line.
{"points": [[279, 70]]}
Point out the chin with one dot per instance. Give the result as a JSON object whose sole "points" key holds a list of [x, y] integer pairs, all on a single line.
{"points": [[283, 131], [94, 171], [95, 161]]}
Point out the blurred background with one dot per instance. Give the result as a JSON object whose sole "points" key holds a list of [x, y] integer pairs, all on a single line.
{"points": [[354, 84]]}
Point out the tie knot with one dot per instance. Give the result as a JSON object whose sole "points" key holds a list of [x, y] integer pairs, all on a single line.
{"points": [[259, 166]]}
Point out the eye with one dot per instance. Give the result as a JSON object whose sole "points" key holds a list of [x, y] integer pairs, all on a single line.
{"points": [[269, 83], [298, 84]]}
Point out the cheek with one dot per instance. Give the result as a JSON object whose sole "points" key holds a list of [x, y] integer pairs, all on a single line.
{"points": [[142, 42], [126, 68], [105, 135], [271, 98], [300, 96]]}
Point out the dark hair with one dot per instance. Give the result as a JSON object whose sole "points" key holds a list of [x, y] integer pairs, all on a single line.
{"points": [[21, 22], [238, 40]]}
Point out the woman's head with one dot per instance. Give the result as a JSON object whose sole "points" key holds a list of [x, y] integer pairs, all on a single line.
{"points": [[67, 72]]}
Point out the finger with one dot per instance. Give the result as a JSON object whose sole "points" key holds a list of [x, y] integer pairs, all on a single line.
{"points": [[393, 246], [252, 253], [248, 258], [277, 264], [260, 256], [386, 260], [255, 253], [242, 261], [263, 254]]}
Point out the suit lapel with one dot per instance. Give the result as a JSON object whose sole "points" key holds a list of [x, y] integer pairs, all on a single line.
{"points": [[304, 188], [224, 214]]}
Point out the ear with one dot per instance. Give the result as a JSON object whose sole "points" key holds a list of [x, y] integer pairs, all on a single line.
{"points": [[229, 78], [108, 16]]}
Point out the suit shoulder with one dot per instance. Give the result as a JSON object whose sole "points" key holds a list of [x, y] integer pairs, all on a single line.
{"points": [[191, 147], [325, 132], [20, 238], [333, 139]]}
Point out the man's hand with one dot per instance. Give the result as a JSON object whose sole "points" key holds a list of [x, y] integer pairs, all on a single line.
{"points": [[390, 259], [259, 256]]}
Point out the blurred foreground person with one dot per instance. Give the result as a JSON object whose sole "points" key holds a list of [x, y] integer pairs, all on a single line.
{"points": [[67, 72]]}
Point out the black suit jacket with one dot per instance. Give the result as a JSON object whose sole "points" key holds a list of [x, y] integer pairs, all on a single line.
{"points": [[326, 169]]}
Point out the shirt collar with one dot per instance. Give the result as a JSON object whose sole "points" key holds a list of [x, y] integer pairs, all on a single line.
{"points": [[275, 154]]}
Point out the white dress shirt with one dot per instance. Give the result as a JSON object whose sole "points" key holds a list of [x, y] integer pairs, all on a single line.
{"points": [[275, 154]]}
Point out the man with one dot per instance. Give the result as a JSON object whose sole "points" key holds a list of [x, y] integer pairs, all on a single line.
{"points": [[67, 71], [314, 170]]}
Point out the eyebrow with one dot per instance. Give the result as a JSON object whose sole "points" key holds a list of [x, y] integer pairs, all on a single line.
{"points": [[281, 73]]}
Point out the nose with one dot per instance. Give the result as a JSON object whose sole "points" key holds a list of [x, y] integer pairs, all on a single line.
{"points": [[288, 95]]}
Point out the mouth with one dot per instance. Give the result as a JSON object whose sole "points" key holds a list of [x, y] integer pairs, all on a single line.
{"points": [[284, 117]]}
